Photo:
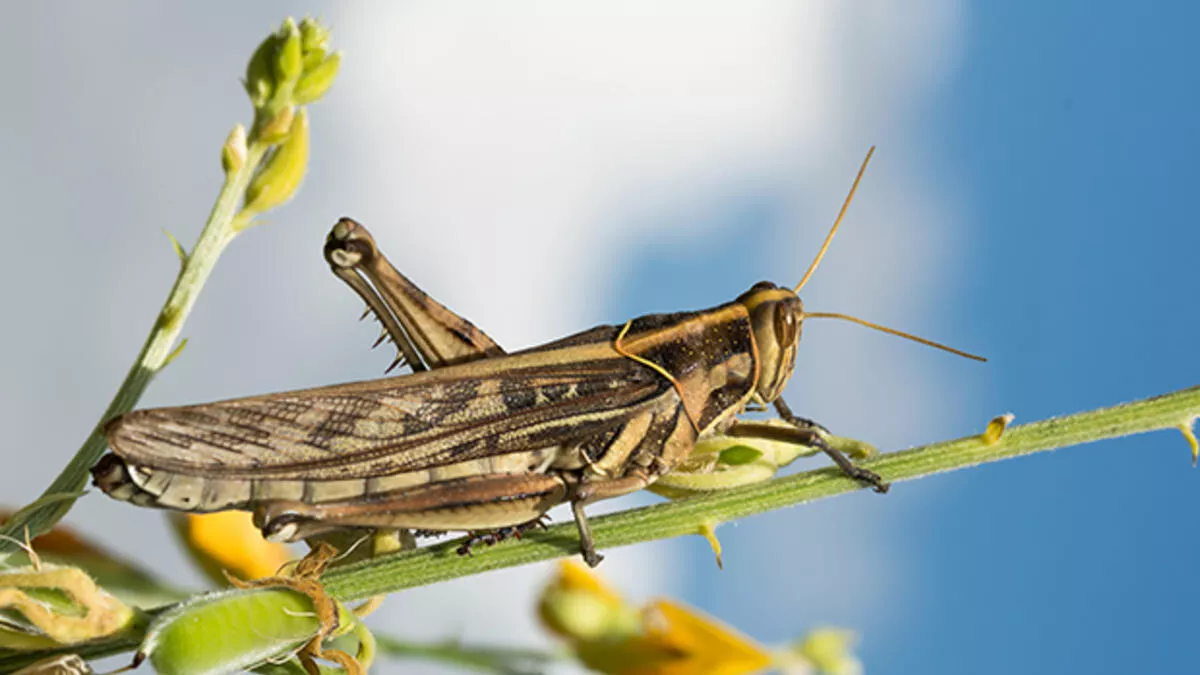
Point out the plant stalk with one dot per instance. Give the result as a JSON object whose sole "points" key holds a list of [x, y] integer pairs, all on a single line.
{"points": [[42, 514], [433, 564]]}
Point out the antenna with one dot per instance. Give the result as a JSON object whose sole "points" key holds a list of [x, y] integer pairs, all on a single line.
{"points": [[833, 230], [853, 319], [890, 331]]}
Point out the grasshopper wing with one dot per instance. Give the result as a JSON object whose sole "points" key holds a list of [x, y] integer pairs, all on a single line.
{"points": [[508, 414]]}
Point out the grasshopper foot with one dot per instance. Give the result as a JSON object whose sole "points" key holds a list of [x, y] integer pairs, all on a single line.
{"points": [[476, 538], [851, 470], [867, 477], [497, 536], [817, 440], [591, 557]]}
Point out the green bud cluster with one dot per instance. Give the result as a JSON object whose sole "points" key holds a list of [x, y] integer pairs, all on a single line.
{"points": [[292, 67]]}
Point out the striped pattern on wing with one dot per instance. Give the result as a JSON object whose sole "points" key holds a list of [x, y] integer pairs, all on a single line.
{"points": [[396, 425]]}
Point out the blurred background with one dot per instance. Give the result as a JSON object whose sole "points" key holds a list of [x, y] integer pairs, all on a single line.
{"points": [[541, 167]]}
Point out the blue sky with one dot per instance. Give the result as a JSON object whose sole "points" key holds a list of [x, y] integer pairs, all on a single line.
{"points": [[1082, 199], [546, 168], [1070, 132]]}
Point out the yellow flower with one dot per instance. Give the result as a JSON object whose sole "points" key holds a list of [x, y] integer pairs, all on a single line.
{"points": [[828, 651], [610, 635], [703, 644], [229, 541], [579, 607]]}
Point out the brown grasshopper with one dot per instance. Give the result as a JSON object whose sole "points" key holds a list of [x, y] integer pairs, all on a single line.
{"points": [[476, 439]]}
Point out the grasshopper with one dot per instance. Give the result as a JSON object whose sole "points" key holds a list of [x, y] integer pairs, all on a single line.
{"points": [[474, 438]]}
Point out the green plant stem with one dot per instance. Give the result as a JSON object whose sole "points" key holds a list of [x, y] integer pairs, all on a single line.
{"points": [[42, 514], [499, 660], [428, 565], [432, 564]]}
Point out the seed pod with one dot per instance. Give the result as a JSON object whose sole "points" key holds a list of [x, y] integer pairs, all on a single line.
{"points": [[229, 631]]}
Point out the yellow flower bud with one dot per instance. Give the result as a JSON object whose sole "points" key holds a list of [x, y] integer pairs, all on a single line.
{"points": [[282, 171], [313, 58], [829, 651], [611, 636], [578, 606], [276, 128], [233, 153], [995, 428], [260, 78], [317, 80], [313, 35], [289, 62], [1186, 429], [282, 60]]}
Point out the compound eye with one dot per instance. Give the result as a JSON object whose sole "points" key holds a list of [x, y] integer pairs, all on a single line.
{"points": [[785, 324]]}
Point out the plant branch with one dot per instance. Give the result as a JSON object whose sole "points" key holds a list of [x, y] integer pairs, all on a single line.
{"points": [[498, 660], [41, 515], [291, 68], [432, 564]]}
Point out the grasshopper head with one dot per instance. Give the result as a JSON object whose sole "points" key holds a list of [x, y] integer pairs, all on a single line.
{"points": [[775, 315]]}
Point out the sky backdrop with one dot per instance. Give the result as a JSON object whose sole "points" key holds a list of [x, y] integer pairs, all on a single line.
{"points": [[542, 167]]}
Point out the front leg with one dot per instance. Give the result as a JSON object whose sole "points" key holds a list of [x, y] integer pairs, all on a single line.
{"points": [[807, 432], [785, 413]]}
